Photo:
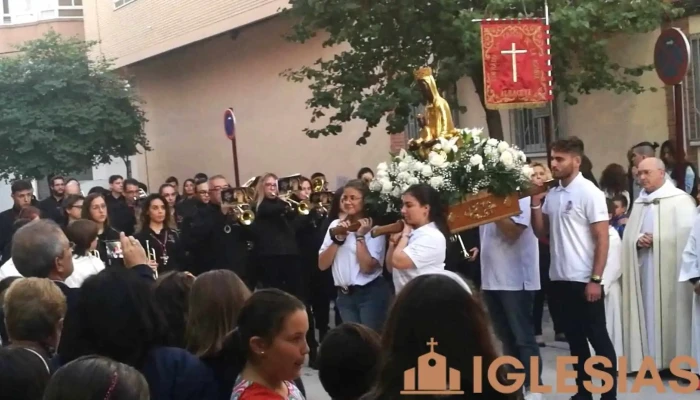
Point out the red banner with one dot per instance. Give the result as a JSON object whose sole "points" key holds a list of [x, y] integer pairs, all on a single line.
{"points": [[516, 64]]}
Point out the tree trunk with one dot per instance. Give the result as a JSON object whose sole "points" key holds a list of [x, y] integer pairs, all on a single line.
{"points": [[127, 162], [493, 117]]}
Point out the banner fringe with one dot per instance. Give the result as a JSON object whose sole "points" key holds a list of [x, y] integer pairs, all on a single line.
{"points": [[515, 106]]}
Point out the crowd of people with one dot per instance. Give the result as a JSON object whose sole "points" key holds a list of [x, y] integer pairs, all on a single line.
{"points": [[122, 294]]}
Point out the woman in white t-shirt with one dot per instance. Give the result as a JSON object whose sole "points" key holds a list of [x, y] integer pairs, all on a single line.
{"points": [[83, 234], [355, 259], [420, 248]]}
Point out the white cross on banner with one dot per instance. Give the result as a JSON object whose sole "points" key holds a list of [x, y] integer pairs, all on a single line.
{"points": [[513, 52]]}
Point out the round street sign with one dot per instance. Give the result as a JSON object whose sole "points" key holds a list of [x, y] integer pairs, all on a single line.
{"points": [[229, 123], [672, 56]]}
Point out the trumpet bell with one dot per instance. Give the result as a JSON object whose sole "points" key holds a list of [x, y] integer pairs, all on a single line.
{"points": [[246, 217], [318, 184], [303, 208]]}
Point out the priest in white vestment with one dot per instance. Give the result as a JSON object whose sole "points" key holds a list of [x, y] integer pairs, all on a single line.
{"points": [[656, 308], [690, 276]]}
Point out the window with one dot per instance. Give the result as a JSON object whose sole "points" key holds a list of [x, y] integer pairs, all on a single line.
{"points": [[28, 11], [529, 127], [119, 3], [691, 95]]}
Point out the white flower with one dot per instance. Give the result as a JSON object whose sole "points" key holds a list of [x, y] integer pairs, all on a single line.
{"points": [[413, 180], [522, 156], [427, 171], [437, 147], [382, 166], [402, 154], [403, 166], [437, 159], [386, 186], [507, 159], [404, 188], [492, 142], [476, 160], [528, 171], [403, 176], [449, 145], [417, 166], [503, 146], [381, 174], [396, 192], [375, 185], [436, 182]]}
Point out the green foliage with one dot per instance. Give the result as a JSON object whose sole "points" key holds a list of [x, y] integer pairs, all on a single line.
{"points": [[388, 39], [64, 112]]}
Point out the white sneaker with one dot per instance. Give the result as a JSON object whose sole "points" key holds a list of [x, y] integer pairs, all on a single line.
{"points": [[533, 396]]}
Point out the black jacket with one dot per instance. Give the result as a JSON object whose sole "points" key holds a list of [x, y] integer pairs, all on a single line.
{"points": [[173, 250], [275, 229], [7, 221], [121, 216], [51, 209], [216, 241]]}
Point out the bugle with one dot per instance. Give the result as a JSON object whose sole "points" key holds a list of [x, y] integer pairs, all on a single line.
{"points": [[244, 216], [396, 227], [303, 207]]}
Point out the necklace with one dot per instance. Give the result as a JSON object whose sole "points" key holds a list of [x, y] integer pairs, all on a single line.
{"points": [[163, 244]]}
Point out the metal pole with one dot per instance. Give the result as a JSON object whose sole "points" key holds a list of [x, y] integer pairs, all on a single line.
{"points": [[552, 123], [680, 134], [235, 160]]}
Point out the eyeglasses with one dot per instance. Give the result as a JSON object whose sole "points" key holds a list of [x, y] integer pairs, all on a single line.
{"points": [[203, 193]]}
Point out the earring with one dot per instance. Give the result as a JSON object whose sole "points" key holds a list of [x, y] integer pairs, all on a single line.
{"points": [[262, 352]]}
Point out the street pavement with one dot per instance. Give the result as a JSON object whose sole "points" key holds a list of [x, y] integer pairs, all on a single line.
{"points": [[314, 389]]}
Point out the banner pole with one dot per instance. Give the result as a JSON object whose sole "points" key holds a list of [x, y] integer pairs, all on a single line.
{"points": [[549, 133]]}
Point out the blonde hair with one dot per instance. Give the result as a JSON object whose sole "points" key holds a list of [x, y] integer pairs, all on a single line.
{"points": [[33, 307], [547, 172], [260, 188]]}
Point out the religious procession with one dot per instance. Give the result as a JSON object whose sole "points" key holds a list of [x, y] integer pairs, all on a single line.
{"points": [[465, 264]]}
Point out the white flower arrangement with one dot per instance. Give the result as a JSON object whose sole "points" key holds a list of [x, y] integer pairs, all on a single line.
{"points": [[457, 167]]}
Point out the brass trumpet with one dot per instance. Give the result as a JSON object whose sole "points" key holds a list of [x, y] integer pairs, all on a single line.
{"points": [[318, 187], [303, 207], [244, 215], [151, 253]]}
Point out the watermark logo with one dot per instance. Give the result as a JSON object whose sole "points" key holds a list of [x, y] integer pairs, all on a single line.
{"points": [[433, 375]]}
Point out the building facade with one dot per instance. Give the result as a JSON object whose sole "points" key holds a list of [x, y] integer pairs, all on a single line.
{"points": [[24, 20]]}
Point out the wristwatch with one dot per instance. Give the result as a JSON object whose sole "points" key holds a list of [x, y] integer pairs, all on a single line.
{"points": [[596, 279]]}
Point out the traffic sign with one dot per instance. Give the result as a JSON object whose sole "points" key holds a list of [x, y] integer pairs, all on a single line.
{"points": [[672, 56]]}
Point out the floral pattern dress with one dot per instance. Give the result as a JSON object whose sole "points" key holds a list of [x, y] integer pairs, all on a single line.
{"points": [[244, 389]]}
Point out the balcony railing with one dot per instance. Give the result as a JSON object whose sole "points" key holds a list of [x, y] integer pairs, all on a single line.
{"points": [[26, 11]]}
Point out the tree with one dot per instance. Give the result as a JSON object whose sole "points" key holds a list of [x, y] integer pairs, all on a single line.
{"points": [[64, 111], [388, 39]]}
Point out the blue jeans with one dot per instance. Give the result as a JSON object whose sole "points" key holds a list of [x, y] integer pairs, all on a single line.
{"points": [[511, 314], [366, 305]]}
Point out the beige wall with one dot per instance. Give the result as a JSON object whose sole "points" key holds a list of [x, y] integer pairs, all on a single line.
{"points": [[187, 91], [13, 35], [145, 28]]}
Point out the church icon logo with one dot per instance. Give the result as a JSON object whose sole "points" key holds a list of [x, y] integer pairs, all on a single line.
{"points": [[431, 375]]}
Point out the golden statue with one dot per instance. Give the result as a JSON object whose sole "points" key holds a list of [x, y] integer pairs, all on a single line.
{"points": [[437, 121]]}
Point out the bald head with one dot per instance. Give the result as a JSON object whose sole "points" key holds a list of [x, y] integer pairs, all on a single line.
{"points": [[652, 173]]}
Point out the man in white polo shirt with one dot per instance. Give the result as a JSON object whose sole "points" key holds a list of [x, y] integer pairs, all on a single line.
{"points": [[576, 216], [510, 276]]}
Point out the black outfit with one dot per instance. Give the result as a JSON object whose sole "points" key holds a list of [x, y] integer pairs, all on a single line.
{"points": [[50, 208], [327, 291], [584, 322], [215, 241], [312, 290], [276, 248], [166, 245], [110, 259], [545, 293], [455, 260], [186, 208], [122, 217], [7, 221]]}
